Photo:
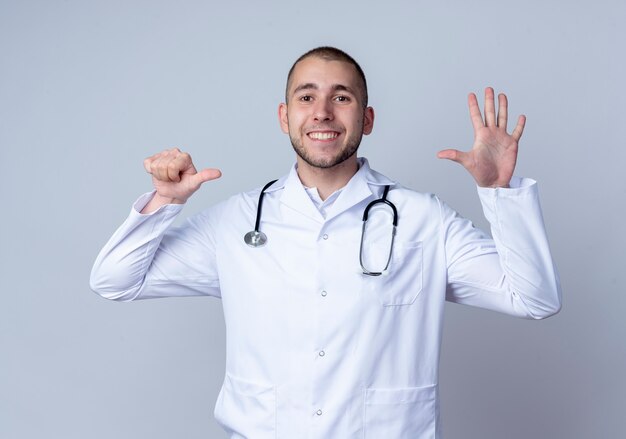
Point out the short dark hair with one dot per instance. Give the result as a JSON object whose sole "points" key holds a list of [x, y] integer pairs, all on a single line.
{"points": [[330, 54]]}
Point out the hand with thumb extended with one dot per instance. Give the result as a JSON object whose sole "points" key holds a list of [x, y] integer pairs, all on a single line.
{"points": [[492, 159], [174, 176]]}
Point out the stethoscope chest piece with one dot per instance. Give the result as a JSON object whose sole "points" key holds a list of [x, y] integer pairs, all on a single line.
{"points": [[255, 238]]}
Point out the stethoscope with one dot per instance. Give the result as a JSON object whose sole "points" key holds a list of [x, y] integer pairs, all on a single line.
{"points": [[256, 238]]}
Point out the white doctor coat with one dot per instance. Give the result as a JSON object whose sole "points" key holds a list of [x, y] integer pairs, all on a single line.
{"points": [[316, 349]]}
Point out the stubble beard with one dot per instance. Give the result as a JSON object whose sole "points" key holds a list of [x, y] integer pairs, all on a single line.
{"points": [[351, 147]]}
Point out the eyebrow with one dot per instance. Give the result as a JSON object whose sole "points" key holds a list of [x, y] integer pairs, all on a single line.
{"points": [[313, 86]]}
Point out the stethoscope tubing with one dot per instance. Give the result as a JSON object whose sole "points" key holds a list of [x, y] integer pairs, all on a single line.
{"points": [[256, 238], [382, 200], [257, 223]]}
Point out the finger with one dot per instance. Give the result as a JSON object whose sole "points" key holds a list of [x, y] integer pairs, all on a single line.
{"points": [[455, 155], [154, 167], [519, 129], [207, 174], [474, 109], [147, 163], [180, 163], [502, 111], [159, 167], [490, 110]]}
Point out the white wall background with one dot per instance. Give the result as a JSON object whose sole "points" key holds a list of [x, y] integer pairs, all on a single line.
{"points": [[90, 88]]}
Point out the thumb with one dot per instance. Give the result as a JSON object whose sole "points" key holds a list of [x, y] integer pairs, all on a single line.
{"points": [[207, 174], [455, 155]]}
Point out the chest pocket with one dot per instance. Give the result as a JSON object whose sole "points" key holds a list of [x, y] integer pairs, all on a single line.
{"points": [[402, 282]]}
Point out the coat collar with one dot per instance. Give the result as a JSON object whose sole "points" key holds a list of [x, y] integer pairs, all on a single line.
{"points": [[364, 184]]}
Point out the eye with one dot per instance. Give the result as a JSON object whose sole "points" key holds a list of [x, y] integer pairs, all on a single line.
{"points": [[342, 98], [305, 98]]}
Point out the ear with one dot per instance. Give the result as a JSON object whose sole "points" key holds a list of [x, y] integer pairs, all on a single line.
{"points": [[282, 118], [368, 120]]}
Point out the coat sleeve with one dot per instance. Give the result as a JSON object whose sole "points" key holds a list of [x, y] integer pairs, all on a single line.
{"points": [[149, 258], [512, 273]]}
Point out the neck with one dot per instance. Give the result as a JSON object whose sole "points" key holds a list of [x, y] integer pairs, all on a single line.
{"points": [[327, 180]]}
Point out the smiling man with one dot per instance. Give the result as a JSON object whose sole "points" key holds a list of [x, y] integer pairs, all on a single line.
{"points": [[326, 115], [334, 307]]}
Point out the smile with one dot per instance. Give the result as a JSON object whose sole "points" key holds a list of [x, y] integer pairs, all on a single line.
{"points": [[326, 135]]}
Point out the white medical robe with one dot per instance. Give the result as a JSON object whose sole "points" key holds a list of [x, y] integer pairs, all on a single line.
{"points": [[315, 348]]}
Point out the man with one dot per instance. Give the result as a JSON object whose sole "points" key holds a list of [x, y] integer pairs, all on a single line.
{"points": [[334, 329]]}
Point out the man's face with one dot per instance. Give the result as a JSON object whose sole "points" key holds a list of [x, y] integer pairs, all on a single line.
{"points": [[325, 118]]}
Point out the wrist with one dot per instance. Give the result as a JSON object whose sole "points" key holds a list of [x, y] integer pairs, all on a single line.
{"points": [[161, 200], [493, 183], [496, 186], [157, 201]]}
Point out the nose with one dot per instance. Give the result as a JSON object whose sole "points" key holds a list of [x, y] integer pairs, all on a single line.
{"points": [[323, 111]]}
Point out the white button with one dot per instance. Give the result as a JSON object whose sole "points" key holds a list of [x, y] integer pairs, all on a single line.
{"points": [[322, 353], [325, 236], [319, 412], [324, 293]]}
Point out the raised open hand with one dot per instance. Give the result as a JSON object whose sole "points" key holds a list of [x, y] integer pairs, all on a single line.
{"points": [[491, 161], [174, 176]]}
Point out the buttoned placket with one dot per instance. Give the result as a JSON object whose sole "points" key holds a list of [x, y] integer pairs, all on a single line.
{"points": [[323, 358], [320, 353]]}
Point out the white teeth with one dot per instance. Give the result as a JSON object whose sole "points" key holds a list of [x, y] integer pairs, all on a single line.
{"points": [[322, 136]]}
